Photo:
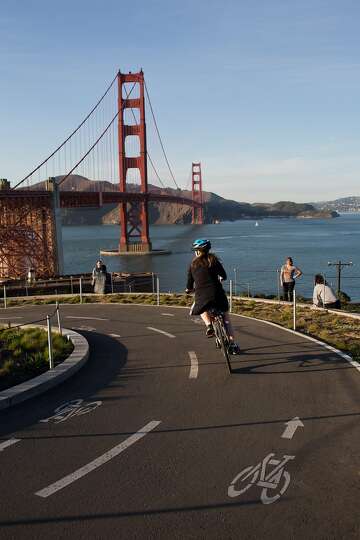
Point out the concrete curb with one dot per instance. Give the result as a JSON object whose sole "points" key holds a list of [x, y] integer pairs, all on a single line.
{"points": [[49, 379]]}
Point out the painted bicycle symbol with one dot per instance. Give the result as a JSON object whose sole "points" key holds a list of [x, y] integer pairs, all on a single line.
{"points": [[76, 407], [274, 482]]}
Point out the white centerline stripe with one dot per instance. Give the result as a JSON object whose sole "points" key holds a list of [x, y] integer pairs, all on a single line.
{"points": [[89, 318], [114, 335], [161, 332], [168, 314], [194, 369], [8, 443], [98, 462]]}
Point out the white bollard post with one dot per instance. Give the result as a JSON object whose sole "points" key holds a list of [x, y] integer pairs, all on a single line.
{"points": [[294, 309], [153, 282], [248, 287], [71, 285], [231, 296], [80, 289], [51, 359], [58, 318], [158, 291], [5, 300], [278, 283]]}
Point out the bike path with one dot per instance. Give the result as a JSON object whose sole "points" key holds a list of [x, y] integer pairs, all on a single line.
{"points": [[174, 482]]}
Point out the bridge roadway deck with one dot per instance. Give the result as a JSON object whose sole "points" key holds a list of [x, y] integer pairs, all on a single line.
{"points": [[172, 483], [88, 199]]}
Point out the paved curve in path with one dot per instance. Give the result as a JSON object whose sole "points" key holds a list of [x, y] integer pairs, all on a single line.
{"points": [[93, 475]]}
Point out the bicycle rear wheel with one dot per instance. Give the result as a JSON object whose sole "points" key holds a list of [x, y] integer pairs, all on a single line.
{"points": [[222, 338]]}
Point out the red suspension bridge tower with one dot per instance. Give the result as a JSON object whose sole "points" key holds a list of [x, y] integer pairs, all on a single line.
{"points": [[197, 194], [134, 216]]}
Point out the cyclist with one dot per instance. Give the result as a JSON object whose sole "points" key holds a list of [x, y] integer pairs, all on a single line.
{"points": [[204, 277]]}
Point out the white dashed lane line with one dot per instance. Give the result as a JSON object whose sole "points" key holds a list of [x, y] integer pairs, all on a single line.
{"points": [[168, 314], [98, 462], [160, 331], [8, 443], [194, 368], [9, 317], [86, 318], [114, 335]]}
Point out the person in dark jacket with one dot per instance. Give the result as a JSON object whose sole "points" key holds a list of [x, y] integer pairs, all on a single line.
{"points": [[204, 277], [99, 277]]}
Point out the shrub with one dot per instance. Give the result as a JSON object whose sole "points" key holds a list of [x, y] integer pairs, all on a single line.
{"points": [[26, 354]]}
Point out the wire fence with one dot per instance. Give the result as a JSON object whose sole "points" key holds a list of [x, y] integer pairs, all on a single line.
{"points": [[248, 283], [267, 283]]}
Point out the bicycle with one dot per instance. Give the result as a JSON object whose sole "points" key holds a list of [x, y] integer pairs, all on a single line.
{"points": [[222, 340], [276, 481], [75, 407]]}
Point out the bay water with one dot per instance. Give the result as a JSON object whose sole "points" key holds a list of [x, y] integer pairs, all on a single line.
{"points": [[251, 253]]}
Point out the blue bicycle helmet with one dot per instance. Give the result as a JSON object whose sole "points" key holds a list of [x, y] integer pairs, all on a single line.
{"points": [[201, 243]]}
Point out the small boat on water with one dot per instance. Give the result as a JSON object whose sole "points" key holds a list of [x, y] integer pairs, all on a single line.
{"points": [[256, 224]]}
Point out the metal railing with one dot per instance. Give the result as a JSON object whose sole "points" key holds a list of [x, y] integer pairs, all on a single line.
{"points": [[79, 285]]}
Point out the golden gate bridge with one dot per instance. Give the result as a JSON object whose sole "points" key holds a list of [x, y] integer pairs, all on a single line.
{"points": [[109, 147]]}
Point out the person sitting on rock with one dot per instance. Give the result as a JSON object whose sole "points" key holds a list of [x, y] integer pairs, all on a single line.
{"points": [[323, 295]]}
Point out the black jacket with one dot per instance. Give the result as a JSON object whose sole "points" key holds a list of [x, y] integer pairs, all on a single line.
{"points": [[208, 289]]}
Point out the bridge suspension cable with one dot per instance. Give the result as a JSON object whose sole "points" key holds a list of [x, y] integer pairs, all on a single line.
{"points": [[69, 137], [159, 136], [95, 143]]}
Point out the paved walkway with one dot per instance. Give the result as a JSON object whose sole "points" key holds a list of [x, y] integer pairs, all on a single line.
{"points": [[157, 440]]}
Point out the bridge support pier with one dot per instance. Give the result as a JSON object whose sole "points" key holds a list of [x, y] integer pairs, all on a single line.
{"points": [[52, 186]]}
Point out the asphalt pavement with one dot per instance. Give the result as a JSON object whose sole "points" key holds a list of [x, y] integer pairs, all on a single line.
{"points": [[153, 439]]}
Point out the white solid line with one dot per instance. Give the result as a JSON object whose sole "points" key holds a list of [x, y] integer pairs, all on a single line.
{"points": [[114, 335], [8, 443], [9, 317], [161, 332], [98, 462], [168, 314], [194, 369], [90, 318], [343, 355]]}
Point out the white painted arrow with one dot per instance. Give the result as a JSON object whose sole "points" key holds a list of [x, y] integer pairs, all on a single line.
{"points": [[291, 427]]}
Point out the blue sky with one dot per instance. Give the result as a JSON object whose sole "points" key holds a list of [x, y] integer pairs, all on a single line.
{"points": [[264, 93]]}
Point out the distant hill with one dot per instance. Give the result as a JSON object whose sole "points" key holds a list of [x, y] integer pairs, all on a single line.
{"points": [[216, 208], [344, 204]]}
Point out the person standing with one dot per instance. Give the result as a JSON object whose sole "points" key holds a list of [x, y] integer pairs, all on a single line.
{"points": [[323, 295], [99, 277], [288, 274]]}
